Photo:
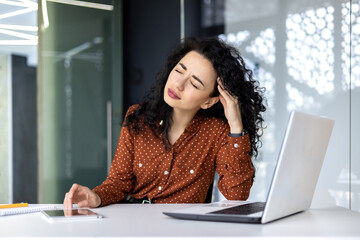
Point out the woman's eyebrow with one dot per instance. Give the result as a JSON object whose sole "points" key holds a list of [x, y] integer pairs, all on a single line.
{"points": [[198, 79], [195, 77], [183, 66]]}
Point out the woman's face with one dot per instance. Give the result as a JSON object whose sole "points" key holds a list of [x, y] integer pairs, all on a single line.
{"points": [[190, 84]]}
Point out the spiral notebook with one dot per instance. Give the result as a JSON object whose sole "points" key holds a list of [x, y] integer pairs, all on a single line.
{"points": [[30, 209]]}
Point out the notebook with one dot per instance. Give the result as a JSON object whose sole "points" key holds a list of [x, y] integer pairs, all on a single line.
{"points": [[294, 180], [30, 209]]}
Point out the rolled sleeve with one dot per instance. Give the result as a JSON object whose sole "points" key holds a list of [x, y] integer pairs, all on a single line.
{"points": [[121, 179], [235, 169]]}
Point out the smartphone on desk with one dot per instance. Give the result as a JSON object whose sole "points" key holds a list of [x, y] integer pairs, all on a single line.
{"points": [[71, 214]]}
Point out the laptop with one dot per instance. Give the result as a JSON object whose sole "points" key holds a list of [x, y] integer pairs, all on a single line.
{"points": [[292, 188]]}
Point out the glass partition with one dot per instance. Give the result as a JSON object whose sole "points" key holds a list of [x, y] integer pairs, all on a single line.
{"points": [[75, 95]]}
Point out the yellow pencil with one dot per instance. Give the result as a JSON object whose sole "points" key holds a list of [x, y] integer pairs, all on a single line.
{"points": [[15, 205]]}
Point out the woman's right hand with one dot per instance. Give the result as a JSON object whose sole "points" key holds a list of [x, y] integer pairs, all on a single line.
{"points": [[82, 196]]}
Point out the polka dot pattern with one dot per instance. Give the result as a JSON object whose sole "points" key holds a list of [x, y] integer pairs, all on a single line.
{"points": [[142, 167]]}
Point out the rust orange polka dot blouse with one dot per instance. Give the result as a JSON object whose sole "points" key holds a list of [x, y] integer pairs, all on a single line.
{"points": [[142, 167]]}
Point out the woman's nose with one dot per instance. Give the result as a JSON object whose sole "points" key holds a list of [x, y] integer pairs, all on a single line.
{"points": [[180, 83]]}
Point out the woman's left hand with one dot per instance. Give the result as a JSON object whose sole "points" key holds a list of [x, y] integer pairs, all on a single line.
{"points": [[231, 109]]}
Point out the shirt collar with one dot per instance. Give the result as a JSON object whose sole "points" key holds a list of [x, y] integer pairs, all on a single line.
{"points": [[195, 123]]}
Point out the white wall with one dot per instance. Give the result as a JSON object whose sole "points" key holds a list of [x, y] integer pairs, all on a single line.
{"points": [[5, 130]]}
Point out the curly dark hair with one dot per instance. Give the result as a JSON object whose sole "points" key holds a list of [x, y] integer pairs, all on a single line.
{"points": [[236, 78]]}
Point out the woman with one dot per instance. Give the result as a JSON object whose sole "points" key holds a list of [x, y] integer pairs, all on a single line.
{"points": [[202, 116]]}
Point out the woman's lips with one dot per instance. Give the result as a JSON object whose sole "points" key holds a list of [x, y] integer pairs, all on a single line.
{"points": [[172, 94]]}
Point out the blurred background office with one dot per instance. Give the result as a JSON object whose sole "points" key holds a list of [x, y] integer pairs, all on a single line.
{"points": [[70, 69]]}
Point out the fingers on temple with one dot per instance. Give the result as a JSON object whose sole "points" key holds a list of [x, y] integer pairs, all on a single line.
{"points": [[224, 93]]}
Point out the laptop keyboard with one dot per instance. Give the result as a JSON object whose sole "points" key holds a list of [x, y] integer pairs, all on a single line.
{"points": [[245, 209]]}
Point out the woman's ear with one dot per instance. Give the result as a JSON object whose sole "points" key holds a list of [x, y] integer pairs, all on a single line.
{"points": [[210, 102]]}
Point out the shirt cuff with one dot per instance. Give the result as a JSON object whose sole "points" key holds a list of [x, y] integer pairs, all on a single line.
{"points": [[238, 134], [102, 196]]}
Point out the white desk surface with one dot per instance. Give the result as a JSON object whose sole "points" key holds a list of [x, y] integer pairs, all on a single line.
{"points": [[144, 221]]}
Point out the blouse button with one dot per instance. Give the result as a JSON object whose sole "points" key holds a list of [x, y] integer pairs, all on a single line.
{"points": [[140, 165], [166, 173], [160, 188], [236, 145], [191, 171]]}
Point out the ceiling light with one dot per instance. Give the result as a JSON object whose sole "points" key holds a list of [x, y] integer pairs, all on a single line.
{"points": [[18, 42], [19, 27], [85, 4]]}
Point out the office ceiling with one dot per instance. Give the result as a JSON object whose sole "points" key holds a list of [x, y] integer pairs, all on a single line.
{"points": [[18, 28]]}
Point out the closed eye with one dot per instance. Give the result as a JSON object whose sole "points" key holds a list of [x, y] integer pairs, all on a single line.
{"points": [[177, 71], [194, 85]]}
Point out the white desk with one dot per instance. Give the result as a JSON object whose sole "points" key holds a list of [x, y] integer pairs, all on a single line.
{"points": [[136, 220]]}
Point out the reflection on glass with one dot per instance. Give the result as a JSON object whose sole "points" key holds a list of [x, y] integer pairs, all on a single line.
{"points": [[298, 99], [263, 46], [236, 39], [309, 48], [84, 53], [355, 44]]}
